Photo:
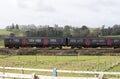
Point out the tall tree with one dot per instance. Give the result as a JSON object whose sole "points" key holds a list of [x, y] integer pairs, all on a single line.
{"points": [[17, 26], [13, 26]]}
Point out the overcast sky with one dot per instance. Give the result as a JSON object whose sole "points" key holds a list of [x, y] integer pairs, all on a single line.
{"points": [[93, 13]]}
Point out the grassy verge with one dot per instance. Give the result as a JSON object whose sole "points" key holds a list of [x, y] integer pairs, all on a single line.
{"points": [[112, 36], [1, 42], [82, 63], [4, 32]]}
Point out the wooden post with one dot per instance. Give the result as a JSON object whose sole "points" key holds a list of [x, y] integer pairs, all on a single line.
{"points": [[34, 76], [105, 66], [101, 76], [22, 71], [98, 68], [36, 59], [95, 74], [3, 71]]}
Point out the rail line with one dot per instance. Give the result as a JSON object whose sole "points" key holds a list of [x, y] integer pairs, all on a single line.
{"points": [[61, 52], [62, 48]]}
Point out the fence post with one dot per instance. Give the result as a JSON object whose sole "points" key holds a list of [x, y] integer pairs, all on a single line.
{"points": [[105, 66], [34, 76], [101, 76], [95, 75], [3, 72], [22, 71], [54, 72]]}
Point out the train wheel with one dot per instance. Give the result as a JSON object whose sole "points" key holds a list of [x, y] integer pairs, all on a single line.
{"points": [[53, 47], [17, 47], [79, 47], [60, 47], [37, 46], [115, 47], [72, 47], [10, 47]]}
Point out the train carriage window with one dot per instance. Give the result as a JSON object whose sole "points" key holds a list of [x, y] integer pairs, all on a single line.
{"points": [[116, 40], [10, 40], [101, 40], [94, 40], [31, 40], [80, 40], [16, 40], [38, 40], [72, 40], [52, 40]]}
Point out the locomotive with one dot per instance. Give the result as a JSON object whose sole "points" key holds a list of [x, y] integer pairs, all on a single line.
{"points": [[59, 42]]}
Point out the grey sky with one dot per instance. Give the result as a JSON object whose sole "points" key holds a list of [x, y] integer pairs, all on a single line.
{"points": [[93, 13]]}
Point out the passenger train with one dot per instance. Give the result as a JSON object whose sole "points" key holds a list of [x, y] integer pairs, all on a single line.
{"points": [[59, 42]]}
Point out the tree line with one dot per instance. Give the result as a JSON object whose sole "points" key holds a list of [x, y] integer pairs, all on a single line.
{"points": [[66, 31]]}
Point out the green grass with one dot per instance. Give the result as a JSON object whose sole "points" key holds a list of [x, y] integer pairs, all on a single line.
{"points": [[80, 63], [1, 42], [16, 32], [112, 36], [4, 32], [61, 62], [91, 30]]}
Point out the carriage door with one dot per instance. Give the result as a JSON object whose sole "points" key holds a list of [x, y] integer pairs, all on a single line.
{"points": [[23, 42], [109, 42], [45, 42], [87, 42]]}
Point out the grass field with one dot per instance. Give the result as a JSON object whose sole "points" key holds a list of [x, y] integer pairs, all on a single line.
{"points": [[1, 42], [4, 32], [112, 36], [61, 62], [84, 63]]}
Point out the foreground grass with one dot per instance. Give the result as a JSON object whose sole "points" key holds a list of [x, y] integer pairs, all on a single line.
{"points": [[90, 63], [60, 62]]}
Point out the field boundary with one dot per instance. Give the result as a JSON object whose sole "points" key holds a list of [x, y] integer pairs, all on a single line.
{"points": [[98, 75], [14, 75], [34, 76]]}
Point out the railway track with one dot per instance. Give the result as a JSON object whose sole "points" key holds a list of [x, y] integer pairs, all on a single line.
{"points": [[62, 48], [61, 52]]}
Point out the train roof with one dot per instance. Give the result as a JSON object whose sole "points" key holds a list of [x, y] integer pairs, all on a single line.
{"points": [[34, 37], [69, 37]]}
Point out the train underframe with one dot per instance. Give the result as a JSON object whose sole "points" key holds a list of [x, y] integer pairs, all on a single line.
{"points": [[58, 46], [31, 46]]}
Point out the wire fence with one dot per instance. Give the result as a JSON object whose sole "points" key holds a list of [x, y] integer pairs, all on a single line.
{"points": [[97, 75], [78, 63]]}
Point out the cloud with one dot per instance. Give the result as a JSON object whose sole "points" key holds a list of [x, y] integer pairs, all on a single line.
{"points": [[36, 5], [70, 12], [95, 5]]}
